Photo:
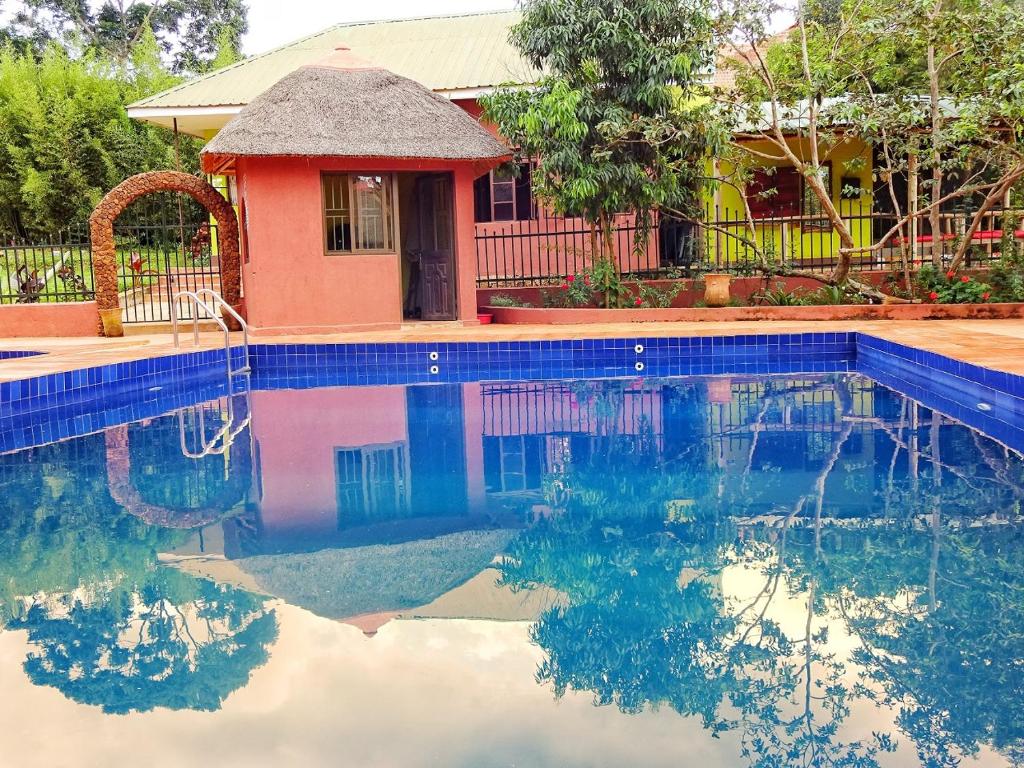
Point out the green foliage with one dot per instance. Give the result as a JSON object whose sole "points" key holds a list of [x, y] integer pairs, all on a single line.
{"points": [[951, 287], [614, 123], [194, 34], [65, 138], [172, 641], [1007, 275], [506, 300], [602, 284], [648, 295], [780, 296]]}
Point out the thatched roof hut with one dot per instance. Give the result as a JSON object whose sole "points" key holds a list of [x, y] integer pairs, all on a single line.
{"points": [[343, 108]]}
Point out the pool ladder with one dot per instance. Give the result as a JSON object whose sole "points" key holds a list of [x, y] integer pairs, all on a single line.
{"points": [[195, 298], [222, 438]]}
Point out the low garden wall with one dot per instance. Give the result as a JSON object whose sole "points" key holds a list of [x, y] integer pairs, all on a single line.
{"points": [[559, 316], [79, 318], [740, 288]]}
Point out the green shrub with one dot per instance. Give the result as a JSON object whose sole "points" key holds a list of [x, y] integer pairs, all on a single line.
{"points": [[505, 300], [951, 288], [651, 296], [1007, 276]]}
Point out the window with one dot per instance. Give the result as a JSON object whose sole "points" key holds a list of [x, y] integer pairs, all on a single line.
{"points": [[811, 205], [782, 191], [358, 212], [774, 192], [503, 195], [371, 483]]}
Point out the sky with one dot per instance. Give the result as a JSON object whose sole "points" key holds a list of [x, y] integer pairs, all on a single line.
{"points": [[273, 22]]}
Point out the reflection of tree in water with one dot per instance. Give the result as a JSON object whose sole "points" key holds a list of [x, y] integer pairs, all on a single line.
{"points": [[639, 547], [172, 641], [59, 527], [110, 627]]}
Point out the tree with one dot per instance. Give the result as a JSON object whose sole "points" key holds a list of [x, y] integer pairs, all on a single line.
{"points": [[613, 124], [191, 32], [933, 88], [65, 138]]}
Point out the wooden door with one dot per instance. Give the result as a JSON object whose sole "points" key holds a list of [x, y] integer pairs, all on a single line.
{"points": [[435, 224]]}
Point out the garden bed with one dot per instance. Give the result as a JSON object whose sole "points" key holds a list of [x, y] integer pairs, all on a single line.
{"points": [[575, 316]]}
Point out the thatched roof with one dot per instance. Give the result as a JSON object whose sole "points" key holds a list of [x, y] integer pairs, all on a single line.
{"points": [[340, 583], [330, 110]]}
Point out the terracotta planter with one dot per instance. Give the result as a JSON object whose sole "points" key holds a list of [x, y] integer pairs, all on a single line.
{"points": [[111, 322], [485, 318], [716, 289]]}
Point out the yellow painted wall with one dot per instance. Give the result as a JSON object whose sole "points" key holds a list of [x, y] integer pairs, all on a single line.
{"points": [[796, 240]]}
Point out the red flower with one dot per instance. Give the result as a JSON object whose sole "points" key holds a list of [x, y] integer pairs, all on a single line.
{"points": [[565, 286], [570, 278], [985, 296], [933, 295], [639, 301], [965, 279], [586, 281], [951, 274]]}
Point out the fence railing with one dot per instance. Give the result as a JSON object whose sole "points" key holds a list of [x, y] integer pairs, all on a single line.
{"points": [[549, 248], [50, 269]]}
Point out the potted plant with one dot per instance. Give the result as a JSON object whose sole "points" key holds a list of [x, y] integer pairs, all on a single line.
{"points": [[716, 289]]}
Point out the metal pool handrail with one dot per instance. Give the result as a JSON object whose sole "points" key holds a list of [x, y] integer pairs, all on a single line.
{"points": [[218, 299], [193, 296]]}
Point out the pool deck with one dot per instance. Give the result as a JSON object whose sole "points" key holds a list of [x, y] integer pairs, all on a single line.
{"points": [[996, 344]]}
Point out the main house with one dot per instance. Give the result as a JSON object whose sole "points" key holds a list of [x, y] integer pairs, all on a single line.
{"points": [[363, 198]]}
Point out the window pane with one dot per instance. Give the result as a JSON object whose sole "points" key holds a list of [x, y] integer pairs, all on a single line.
{"points": [[337, 213], [812, 204], [373, 223], [504, 192], [504, 211]]}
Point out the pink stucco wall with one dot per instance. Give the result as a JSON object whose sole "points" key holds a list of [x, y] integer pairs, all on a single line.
{"points": [[78, 318], [292, 286]]}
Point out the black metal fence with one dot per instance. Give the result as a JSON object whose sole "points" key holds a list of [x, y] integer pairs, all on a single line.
{"points": [[165, 242], [546, 249], [55, 268]]}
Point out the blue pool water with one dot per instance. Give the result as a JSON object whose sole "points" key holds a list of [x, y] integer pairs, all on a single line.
{"points": [[768, 570]]}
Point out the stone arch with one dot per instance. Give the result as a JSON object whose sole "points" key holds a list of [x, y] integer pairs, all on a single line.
{"points": [[104, 254]]}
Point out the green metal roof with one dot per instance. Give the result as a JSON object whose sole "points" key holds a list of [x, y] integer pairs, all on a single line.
{"points": [[445, 53]]}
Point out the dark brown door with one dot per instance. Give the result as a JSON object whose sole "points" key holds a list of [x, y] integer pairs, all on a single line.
{"points": [[435, 224]]}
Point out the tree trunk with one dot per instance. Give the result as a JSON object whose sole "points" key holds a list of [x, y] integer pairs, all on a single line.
{"points": [[934, 215]]}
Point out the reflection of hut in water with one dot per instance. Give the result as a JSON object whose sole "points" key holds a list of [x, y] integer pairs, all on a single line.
{"points": [[447, 577], [338, 583]]}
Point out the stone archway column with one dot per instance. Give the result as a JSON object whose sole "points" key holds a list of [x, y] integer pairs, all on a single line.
{"points": [[104, 252]]}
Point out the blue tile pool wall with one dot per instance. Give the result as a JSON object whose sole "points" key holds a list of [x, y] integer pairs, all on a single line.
{"points": [[309, 365], [42, 393], [990, 401], [11, 354], [82, 417], [64, 404]]}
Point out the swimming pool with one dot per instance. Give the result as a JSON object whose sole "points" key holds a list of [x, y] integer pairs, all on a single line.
{"points": [[754, 554]]}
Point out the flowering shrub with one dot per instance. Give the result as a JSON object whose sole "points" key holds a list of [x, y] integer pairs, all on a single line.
{"points": [[601, 285], [650, 296], [952, 288]]}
